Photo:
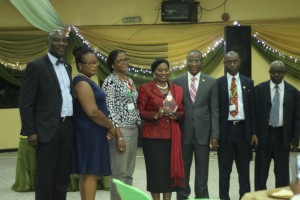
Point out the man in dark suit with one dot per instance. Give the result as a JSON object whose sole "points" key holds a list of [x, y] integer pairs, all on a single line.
{"points": [[200, 126], [237, 125], [277, 129], [46, 114]]}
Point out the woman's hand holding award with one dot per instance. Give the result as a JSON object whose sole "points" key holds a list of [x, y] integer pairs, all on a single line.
{"points": [[171, 106]]}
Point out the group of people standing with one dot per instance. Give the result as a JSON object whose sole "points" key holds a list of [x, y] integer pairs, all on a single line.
{"points": [[77, 127]]}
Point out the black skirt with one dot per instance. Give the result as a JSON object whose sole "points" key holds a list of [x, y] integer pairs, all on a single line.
{"points": [[157, 153]]}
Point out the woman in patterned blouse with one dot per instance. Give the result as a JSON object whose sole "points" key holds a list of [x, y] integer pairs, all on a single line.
{"points": [[121, 102]]}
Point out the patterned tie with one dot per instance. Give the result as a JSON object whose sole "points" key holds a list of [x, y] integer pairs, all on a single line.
{"points": [[234, 97], [274, 114], [193, 89]]}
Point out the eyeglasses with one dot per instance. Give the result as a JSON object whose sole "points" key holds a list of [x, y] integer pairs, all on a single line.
{"points": [[195, 61], [122, 61], [90, 63]]}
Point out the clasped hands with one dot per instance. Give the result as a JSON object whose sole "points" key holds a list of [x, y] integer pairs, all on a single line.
{"points": [[165, 112], [111, 133]]}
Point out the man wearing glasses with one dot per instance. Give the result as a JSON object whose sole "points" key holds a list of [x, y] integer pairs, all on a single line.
{"points": [[200, 125]]}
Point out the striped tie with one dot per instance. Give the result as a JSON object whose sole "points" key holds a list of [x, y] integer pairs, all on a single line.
{"points": [[193, 89]]}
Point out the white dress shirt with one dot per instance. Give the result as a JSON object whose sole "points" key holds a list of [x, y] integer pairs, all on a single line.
{"points": [[65, 86], [190, 76]]}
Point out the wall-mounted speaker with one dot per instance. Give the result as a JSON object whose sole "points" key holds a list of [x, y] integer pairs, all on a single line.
{"points": [[179, 11], [238, 38]]}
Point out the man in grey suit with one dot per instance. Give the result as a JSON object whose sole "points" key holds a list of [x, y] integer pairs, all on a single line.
{"points": [[201, 123], [46, 111]]}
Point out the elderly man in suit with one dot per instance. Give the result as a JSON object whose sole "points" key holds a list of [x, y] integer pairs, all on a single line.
{"points": [[46, 114], [237, 125], [200, 125], [278, 121]]}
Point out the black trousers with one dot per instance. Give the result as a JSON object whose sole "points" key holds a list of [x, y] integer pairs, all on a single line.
{"points": [[238, 149], [276, 151], [54, 163]]}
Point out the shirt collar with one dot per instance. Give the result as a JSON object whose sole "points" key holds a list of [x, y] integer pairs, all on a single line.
{"points": [[191, 76], [229, 76], [52, 58], [280, 85]]}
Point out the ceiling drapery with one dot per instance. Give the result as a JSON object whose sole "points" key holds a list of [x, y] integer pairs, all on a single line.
{"points": [[275, 39]]}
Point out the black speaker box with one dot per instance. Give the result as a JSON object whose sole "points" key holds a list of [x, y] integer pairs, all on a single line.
{"points": [[238, 39]]}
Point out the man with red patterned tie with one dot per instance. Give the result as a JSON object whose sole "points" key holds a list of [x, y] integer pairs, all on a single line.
{"points": [[237, 125]]}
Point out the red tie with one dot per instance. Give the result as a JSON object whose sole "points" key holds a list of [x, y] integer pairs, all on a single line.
{"points": [[234, 97], [193, 89]]}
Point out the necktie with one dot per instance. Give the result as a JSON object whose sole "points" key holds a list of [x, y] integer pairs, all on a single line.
{"points": [[234, 97], [59, 61], [193, 89], [274, 114]]}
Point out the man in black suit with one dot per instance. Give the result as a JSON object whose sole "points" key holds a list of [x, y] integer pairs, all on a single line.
{"points": [[278, 133], [237, 125], [46, 114]]}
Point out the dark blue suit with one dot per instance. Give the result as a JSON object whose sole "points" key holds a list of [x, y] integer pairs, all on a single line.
{"points": [[275, 142], [235, 139]]}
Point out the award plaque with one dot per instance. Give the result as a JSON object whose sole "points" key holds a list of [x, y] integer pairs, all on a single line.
{"points": [[169, 103]]}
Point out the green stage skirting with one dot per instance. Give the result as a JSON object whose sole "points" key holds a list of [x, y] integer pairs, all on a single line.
{"points": [[26, 171]]}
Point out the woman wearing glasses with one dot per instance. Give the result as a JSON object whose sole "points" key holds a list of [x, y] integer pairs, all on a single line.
{"points": [[92, 127], [121, 96]]}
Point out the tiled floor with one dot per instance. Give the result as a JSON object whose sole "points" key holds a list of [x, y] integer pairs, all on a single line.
{"points": [[8, 164]]}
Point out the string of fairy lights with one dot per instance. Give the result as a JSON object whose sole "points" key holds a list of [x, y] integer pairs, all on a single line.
{"points": [[141, 69]]}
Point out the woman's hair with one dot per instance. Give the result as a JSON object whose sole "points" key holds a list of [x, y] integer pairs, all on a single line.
{"points": [[157, 62], [79, 52], [112, 57]]}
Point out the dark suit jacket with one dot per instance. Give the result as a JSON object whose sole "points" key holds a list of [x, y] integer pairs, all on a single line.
{"points": [[40, 99], [291, 113], [248, 101], [201, 117], [149, 101]]}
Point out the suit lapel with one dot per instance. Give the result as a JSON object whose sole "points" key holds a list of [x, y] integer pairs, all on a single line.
{"points": [[155, 90], [267, 93], [186, 88], [243, 87], [224, 86], [201, 87], [286, 94], [51, 69]]}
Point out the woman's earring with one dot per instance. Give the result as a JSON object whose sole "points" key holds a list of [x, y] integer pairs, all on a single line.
{"points": [[154, 75]]}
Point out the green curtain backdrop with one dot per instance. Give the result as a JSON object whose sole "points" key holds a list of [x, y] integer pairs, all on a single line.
{"points": [[274, 39], [39, 13]]}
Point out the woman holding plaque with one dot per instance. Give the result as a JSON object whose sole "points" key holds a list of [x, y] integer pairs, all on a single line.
{"points": [[160, 106]]}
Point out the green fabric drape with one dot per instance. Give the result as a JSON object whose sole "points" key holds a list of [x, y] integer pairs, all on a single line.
{"points": [[26, 171], [39, 13]]}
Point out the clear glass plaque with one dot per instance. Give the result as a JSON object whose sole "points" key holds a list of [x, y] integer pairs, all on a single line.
{"points": [[169, 103]]}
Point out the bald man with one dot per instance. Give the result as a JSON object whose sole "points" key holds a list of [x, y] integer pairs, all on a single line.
{"points": [[46, 111], [276, 138]]}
